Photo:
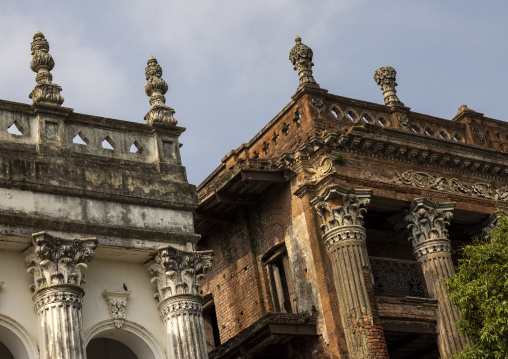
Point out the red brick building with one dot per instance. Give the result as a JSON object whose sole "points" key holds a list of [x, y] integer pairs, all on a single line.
{"points": [[333, 227]]}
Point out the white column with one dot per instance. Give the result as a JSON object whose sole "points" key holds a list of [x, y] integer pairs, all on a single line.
{"points": [[177, 276], [58, 269]]}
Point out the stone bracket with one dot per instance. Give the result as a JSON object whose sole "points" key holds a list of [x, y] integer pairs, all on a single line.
{"points": [[117, 303]]}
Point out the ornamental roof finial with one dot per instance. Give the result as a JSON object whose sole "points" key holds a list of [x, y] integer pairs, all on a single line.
{"points": [[301, 57], [155, 88], [385, 77], [45, 92]]}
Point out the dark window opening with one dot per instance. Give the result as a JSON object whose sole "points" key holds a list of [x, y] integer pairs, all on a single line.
{"points": [[211, 324]]}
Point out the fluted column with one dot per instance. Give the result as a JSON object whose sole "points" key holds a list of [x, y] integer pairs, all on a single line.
{"points": [[58, 265], [426, 223], [177, 276], [341, 211]]}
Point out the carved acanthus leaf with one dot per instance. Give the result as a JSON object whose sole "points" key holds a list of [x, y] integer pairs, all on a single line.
{"points": [[59, 260], [428, 220], [179, 272], [347, 211]]}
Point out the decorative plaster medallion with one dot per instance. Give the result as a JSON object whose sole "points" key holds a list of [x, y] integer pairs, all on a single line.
{"points": [[117, 302], [477, 134]]}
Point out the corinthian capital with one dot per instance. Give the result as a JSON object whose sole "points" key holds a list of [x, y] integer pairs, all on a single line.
{"points": [[155, 88], [45, 92], [426, 224], [59, 260], [179, 272], [385, 77], [301, 58], [341, 211]]}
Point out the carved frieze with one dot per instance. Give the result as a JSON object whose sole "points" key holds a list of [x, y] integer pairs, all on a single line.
{"points": [[44, 92], [301, 58], [427, 224], [425, 180], [179, 272], [59, 260], [385, 77], [155, 88], [341, 211], [117, 302]]}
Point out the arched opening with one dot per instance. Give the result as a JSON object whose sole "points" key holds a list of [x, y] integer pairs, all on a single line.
{"points": [[5, 353], [132, 339], [15, 342], [105, 348]]}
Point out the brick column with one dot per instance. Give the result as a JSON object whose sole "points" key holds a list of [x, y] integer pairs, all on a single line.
{"points": [[341, 211], [58, 266], [426, 223], [177, 276]]}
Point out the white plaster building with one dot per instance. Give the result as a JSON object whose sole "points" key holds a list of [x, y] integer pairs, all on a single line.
{"points": [[95, 219]]}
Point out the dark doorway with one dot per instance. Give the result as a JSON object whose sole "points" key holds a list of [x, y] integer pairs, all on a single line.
{"points": [[104, 348]]}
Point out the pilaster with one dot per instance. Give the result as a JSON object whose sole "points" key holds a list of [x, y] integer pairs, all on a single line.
{"points": [[428, 235], [341, 211], [177, 275], [58, 265]]}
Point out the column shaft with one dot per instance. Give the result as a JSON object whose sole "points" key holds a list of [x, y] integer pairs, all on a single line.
{"points": [[438, 267], [58, 311]]}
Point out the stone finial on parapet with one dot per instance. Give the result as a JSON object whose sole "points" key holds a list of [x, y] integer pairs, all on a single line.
{"points": [[301, 57], [45, 92], [385, 77], [155, 88]]}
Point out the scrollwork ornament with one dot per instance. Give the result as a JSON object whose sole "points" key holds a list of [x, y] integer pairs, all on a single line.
{"points": [[117, 304]]}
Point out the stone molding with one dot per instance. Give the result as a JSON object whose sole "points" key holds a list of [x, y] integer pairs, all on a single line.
{"points": [[178, 271], [59, 260], [181, 303], [61, 294], [301, 58], [117, 303], [26, 347], [385, 77], [155, 88], [341, 212], [45, 92], [426, 223]]}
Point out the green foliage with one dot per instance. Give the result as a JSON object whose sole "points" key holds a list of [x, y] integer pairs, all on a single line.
{"points": [[339, 159], [480, 290]]}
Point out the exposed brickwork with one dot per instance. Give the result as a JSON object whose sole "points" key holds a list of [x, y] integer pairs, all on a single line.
{"points": [[375, 336]]}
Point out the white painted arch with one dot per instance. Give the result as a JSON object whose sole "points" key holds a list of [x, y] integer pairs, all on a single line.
{"points": [[133, 335], [17, 339]]}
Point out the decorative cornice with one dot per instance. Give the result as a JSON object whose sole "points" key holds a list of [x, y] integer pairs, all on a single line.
{"points": [[426, 224], [117, 302], [385, 77], [45, 92], [155, 88], [301, 58], [179, 272], [59, 260]]}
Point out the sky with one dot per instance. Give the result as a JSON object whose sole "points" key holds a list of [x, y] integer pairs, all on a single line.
{"points": [[226, 61]]}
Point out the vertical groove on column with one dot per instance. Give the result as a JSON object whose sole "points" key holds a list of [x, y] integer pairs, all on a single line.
{"points": [[58, 310]]}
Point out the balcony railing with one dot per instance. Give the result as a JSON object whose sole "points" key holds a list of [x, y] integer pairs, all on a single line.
{"points": [[398, 278]]}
